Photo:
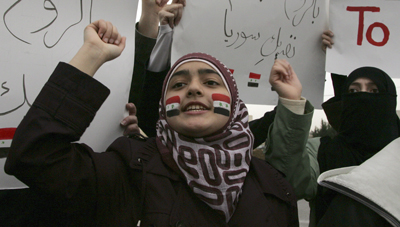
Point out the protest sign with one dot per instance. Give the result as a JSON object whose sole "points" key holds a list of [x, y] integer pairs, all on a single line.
{"points": [[248, 35], [365, 34], [36, 35]]}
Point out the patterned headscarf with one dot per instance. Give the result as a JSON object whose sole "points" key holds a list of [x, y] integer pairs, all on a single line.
{"points": [[214, 166]]}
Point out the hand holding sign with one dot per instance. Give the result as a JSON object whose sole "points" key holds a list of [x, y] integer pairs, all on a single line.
{"points": [[327, 40]]}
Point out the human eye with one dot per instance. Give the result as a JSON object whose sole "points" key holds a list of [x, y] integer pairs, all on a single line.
{"points": [[212, 83], [373, 89], [353, 90], [178, 85]]}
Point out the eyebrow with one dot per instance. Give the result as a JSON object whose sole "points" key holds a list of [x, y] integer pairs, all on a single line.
{"points": [[186, 72], [207, 71], [369, 83], [355, 84]]}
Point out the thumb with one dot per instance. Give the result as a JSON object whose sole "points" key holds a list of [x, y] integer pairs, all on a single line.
{"points": [[131, 108]]}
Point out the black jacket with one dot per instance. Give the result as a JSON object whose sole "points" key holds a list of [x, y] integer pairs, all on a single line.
{"points": [[128, 182]]}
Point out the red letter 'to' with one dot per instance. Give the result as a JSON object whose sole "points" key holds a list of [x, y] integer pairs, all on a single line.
{"points": [[385, 30]]}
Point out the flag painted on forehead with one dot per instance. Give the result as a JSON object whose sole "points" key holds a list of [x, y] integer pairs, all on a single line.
{"points": [[222, 104], [172, 106]]}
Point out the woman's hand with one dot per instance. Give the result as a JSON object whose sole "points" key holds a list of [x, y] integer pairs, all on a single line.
{"points": [[130, 122], [150, 18], [102, 43], [171, 14], [327, 39], [103, 35], [284, 80]]}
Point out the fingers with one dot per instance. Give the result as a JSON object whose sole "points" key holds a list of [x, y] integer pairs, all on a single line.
{"points": [[167, 18], [326, 44], [327, 40], [101, 27], [284, 80], [178, 16], [115, 36], [131, 108], [130, 122], [183, 2], [131, 130], [132, 126], [171, 14], [291, 72], [161, 3], [328, 33], [282, 68], [102, 43], [107, 32]]}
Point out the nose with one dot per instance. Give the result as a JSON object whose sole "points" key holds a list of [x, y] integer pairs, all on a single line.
{"points": [[364, 88], [195, 89]]}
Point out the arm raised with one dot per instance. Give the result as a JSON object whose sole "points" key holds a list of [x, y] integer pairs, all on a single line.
{"points": [[284, 80], [102, 43]]}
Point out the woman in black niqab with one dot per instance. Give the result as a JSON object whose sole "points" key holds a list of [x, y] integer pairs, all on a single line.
{"points": [[368, 122]]}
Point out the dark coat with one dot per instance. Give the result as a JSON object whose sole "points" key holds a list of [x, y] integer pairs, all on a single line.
{"points": [[129, 182], [345, 211], [267, 198]]}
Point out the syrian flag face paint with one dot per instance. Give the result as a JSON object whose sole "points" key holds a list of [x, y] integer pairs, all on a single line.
{"points": [[6, 136], [172, 106], [222, 104]]}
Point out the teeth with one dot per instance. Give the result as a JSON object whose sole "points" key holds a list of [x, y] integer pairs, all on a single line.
{"points": [[195, 108]]}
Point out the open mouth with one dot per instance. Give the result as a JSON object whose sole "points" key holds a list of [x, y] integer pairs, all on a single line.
{"points": [[195, 107]]}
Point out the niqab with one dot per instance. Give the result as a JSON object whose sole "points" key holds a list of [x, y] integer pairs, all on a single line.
{"points": [[368, 122]]}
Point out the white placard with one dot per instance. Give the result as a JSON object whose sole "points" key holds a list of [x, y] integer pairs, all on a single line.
{"points": [[36, 35], [366, 34], [246, 36]]}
